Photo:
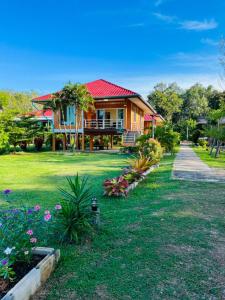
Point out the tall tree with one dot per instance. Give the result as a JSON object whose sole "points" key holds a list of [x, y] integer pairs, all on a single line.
{"points": [[196, 101], [166, 100]]}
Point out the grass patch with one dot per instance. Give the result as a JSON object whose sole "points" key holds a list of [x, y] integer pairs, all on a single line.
{"points": [[211, 160], [165, 241]]}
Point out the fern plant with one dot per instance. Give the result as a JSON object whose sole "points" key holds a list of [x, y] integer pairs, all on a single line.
{"points": [[75, 215]]}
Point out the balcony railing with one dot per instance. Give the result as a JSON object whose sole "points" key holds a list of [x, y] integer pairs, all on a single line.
{"points": [[104, 124]]}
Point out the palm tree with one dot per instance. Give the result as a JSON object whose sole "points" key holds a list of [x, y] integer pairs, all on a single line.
{"points": [[75, 95]]}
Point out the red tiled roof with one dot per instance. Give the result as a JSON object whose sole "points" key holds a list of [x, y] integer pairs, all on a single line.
{"points": [[103, 89], [149, 118], [100, 89], [42, 114]]}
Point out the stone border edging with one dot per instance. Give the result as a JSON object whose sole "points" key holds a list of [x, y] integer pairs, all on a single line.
{"points": [[135, 184], [35, 278]]}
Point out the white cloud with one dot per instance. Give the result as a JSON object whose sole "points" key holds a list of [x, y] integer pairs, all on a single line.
{"points": [[165, 18], [199, 25], [192, 61], [135, 25], [193, 25], [210, 42]]}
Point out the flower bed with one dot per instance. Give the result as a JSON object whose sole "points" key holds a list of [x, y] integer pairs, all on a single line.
{"points": [[21, 231], [147, 159], [120, 186], [31, 276]]}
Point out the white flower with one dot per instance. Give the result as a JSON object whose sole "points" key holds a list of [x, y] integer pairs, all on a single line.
{"points": [[8, 250], [26, 252]]}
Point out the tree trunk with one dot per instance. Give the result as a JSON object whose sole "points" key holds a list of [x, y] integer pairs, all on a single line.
{"points": [[218, 149], [212, 146]]}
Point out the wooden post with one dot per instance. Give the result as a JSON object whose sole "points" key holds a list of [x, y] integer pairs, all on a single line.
{"points": [[64, 142], [77, 140], [91, 143], [111, 141], [83, 142], [53, 142]]}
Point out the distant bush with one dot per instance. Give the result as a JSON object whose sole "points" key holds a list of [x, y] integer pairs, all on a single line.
{"points": [[129, 149], [203, 143], [38, 142], [168, 138]]}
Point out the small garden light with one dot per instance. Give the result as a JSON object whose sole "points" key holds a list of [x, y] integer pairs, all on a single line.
{"points": [[94, 205], [95, 211]]}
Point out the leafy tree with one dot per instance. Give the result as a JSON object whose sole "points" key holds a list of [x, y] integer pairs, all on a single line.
{"points": [[195, 102], [17, 102], [166, 100]]}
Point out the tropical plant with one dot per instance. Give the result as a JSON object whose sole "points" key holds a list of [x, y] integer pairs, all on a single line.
{"points": [[149, 147], [132, 175], [73, 95], [168, 138], [116, 186], [75, 216]]}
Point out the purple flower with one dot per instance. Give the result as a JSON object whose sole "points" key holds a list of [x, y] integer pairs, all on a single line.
{"points": [[7, 192], [29, 211], [4, 262], [58, 207]]}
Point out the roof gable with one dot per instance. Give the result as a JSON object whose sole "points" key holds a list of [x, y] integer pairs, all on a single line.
{"points": [[100, 89]]}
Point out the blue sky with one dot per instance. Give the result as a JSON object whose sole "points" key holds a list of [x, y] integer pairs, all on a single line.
{"points": [[135, 43]]}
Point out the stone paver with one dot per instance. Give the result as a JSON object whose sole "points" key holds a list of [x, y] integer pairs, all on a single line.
{"points": [[188, 166]]}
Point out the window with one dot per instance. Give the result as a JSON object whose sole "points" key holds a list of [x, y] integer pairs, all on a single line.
{"points": [[100, 114], [120, 114], [68, 115]]}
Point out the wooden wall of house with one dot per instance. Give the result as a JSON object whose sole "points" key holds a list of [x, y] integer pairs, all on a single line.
{"points": [[137, 118]]}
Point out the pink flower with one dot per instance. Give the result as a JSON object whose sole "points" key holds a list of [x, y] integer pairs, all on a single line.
{"points": [[33, 240], [37, 207], [47, 217], [30, 232], [58, 207], [47, 212]]}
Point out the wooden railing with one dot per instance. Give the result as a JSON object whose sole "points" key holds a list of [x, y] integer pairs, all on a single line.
{"points": [[104, 124]]}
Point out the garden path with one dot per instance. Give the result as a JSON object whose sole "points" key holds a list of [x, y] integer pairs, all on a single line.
{"points": [[188, 166]]}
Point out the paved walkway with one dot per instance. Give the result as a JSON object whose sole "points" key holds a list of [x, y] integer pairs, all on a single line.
{"points": [[188, 166]]}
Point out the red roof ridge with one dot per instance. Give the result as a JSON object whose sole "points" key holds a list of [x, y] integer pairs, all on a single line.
{"points": [[116, 85]]}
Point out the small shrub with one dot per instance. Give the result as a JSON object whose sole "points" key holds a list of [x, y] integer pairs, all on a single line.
{"points": [[141, 164], [168, 138], [149, 148], [74, 219], [129, 149], [116, 186], [203, 143], [132, 175], [38, 142]]}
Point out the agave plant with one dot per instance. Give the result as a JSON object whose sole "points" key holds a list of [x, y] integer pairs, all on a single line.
{"points": [[75, 215], [142, 163]]}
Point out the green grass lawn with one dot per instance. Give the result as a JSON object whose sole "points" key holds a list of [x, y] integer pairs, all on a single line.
{"points": [[211, 160], [165, 241]]}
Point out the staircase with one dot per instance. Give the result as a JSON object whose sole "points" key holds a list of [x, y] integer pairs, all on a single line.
{"points": [[129, 138]]}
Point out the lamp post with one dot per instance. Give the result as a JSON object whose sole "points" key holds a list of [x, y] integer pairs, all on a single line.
{"points": [[95, 212]]}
